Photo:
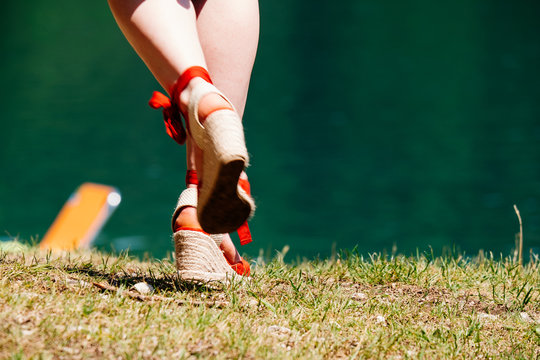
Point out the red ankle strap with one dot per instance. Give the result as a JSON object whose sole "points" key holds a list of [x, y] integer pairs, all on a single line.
{"points": [[191, 177], [244, 234], [186, 77], [243, 231], [171, 110]]}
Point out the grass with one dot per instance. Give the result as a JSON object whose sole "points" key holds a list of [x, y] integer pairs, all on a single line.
{"points": [[82, 306]]}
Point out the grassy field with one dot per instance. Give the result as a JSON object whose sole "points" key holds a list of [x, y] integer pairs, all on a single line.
{"points": [[83, 305]]}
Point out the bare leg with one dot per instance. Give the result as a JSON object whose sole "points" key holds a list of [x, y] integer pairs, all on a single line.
{"points": [[221, 35], [164, 34], [229, 34]]}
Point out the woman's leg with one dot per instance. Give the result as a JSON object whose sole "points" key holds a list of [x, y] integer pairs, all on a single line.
{"points": [[229, 35], [173, 35], [228, 32], [164, 34]]}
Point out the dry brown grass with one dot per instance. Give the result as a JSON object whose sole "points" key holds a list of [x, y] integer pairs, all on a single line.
{"points": [[83, 306]]}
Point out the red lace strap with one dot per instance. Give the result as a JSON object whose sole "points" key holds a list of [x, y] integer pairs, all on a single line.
{"points": [[171, 116], [186, 77], [243, 231], [191, 177], [171, 109], [244, 234], [241, 268]]}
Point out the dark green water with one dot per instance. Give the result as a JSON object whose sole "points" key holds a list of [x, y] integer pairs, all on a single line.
{"points": [[370, 124]]}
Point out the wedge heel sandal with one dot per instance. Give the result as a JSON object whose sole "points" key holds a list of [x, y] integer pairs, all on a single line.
{"points": [[199, 259], [198, 256]]}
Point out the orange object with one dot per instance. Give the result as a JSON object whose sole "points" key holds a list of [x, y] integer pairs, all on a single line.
{"points": [[82, 217], [242, 267]]}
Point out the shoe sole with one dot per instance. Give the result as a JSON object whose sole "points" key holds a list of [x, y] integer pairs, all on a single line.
{"points": [[222, 207]]}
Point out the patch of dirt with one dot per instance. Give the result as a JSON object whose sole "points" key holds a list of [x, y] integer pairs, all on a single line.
{"points": [[468, 302]]}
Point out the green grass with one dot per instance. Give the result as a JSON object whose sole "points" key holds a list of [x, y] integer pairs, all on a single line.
{"points": [[350, 307]]}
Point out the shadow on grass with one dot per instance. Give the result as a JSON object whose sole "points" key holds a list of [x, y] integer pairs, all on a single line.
{"points": [[164, 282]]}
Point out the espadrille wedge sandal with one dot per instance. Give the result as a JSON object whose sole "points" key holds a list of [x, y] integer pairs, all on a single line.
{"points": [[223, 205], [198, 257], [184, 237]]}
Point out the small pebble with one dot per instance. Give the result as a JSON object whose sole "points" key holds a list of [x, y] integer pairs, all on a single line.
{"points": [[75, 282], [487, 316], [359, 296], [526, 317], [75, 328], [335, 324], [278, 330], [72, 282], [143, 288], [28, 332], [286, 347], [380, 319]]}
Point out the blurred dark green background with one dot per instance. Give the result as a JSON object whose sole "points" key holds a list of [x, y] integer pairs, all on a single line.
{"points": [[370, 123]]}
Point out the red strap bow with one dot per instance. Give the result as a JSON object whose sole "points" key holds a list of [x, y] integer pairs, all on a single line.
{"points": [[171, 116], [171, 110]]}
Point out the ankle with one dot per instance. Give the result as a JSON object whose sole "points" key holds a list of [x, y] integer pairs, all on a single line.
{"points": [[208, 104], [186, 93]]}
